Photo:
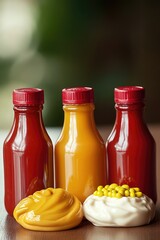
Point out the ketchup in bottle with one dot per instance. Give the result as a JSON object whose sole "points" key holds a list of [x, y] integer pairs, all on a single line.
{"points": [[130, 146], [27, 150], [80, 153]]}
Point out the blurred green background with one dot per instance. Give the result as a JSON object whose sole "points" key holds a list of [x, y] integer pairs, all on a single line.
{"points": [[54, 44]]}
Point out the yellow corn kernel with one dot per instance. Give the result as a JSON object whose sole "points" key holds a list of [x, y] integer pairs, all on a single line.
{"points": [[105, 193], [114, 191], [109, 194], [139, 194], [114, 194], [132, 194], [99, 193], [132, 190], [118, 195], [99, 188], [137, 189], [117, 188], [106, 187], [121, 188], [95, 193], [125, 186], [113, 185], [121, 191], [126, 193]]}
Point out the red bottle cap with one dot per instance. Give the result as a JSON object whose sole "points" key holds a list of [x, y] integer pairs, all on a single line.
{"points": [[129, 94], [28, 96], [77, 95]]}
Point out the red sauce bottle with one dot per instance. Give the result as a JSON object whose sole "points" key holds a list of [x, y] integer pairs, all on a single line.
{"points": [[130, 146], [27, 150]]}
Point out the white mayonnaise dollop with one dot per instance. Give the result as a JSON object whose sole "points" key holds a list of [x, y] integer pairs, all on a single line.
{"points": [[119, 212]]}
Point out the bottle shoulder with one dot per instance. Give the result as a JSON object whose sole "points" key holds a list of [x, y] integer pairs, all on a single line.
{"points": [[23, 138], [80, 139], [131, 136]]}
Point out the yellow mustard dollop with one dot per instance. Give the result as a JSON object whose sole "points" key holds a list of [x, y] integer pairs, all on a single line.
{"points": [[51, 209]]}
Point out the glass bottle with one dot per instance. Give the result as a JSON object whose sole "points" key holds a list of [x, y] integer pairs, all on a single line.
{"points": [[27, 150], [130, 146], [80, 153]]}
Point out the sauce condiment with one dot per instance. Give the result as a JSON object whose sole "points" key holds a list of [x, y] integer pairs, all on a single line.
{"points": [[51, 209], [80, 153], [130, 146], [27, 150], [118, 206]]}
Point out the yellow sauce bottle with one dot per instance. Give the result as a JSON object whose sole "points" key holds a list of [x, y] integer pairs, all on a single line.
{"points": [[80, 154]]}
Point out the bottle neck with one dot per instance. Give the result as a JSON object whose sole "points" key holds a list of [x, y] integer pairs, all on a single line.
{"points": [[29, 108], [28, 115], [129, 113], [79, 117]]}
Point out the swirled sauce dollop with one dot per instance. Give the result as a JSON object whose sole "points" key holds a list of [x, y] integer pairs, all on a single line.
{"points": [[118, 210], [52, 209]]}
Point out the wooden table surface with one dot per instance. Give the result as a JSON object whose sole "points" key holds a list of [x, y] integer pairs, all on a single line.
{"points": [[10, 229]]}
